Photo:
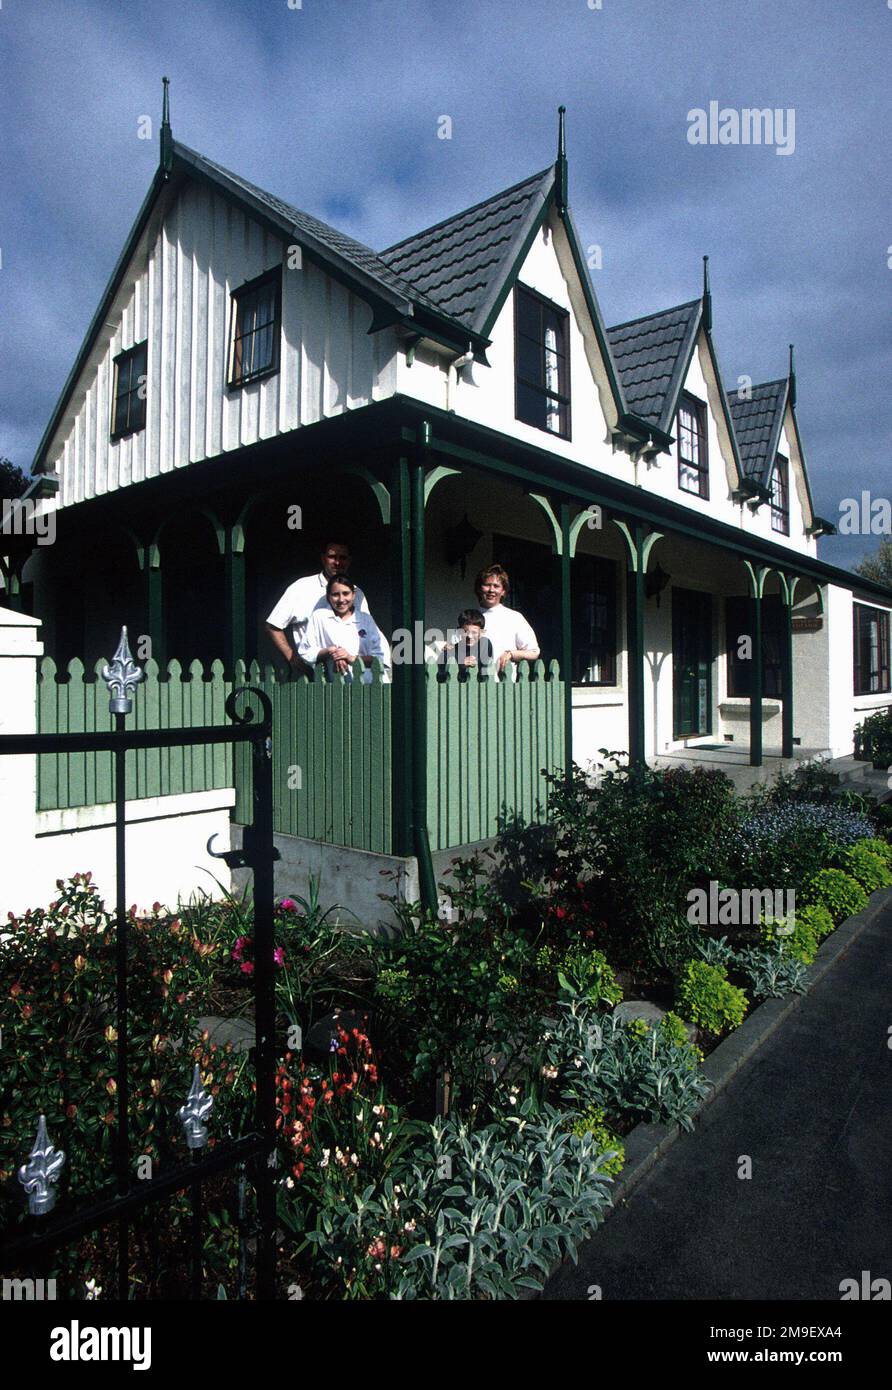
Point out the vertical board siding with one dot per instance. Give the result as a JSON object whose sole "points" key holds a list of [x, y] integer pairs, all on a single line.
{"points": [[177, 294], [331, 759], [488, 742]]}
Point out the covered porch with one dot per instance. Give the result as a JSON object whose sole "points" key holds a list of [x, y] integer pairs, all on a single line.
{"points": [[409, 770]]}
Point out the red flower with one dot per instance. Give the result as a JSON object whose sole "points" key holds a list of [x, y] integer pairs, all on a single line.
{"points": [[247, 968]]}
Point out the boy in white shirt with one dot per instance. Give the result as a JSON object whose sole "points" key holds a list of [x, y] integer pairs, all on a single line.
{"points": [[336, 633], [512, 637], [306, 595]]}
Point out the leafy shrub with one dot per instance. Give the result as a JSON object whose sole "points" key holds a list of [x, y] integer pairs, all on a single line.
{"points": [[801, 942], [870, 870], [627, 850], [812, 780], [473, 1214], [836, 890], [788, 844], [625, 1068], [773, 971], [881, 848], [707, 998], [610, 1144], [817, 918], [587, 974], [873, 737]]}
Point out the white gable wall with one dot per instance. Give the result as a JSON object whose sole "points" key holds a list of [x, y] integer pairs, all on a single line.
{"points": [[178, 296]]}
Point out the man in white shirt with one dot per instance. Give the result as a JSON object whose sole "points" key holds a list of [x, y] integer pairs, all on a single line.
{"points": [[511, 636], [305, 595]]}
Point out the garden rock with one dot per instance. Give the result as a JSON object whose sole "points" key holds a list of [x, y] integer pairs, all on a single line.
{"points": [[639, 1008], [238, 1031], [318, 1041]]}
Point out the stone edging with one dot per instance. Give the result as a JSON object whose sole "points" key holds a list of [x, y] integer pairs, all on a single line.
{"points": [[646, 1143]]}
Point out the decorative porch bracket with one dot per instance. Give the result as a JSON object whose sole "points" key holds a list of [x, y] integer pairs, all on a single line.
{"points": [[757, 577], [434, 476], [639, 548]]}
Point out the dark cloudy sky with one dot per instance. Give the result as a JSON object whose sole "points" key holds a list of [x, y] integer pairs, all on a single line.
{"points": [[334, 106]]}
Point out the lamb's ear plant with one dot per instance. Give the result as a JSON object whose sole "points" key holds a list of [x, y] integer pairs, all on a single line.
{"points": [[773, 971], [715, 950]]}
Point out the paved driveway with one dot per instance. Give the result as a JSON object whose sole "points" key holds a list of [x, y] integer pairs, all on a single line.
{"points": [[813, 1111]]}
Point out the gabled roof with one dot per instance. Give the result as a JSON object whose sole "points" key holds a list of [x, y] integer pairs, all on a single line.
{"points": [[463, 263], [757, 423], [652, 356]]}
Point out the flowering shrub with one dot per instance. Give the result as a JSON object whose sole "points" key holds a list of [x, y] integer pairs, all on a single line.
{"points": [[478, 1214], [784, 846], [873, 737]]}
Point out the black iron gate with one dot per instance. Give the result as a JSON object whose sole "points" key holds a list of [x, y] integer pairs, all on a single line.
{"points": [[40, 1234]]}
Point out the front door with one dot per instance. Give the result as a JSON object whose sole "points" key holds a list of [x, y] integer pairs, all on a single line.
{"points": [[691, 663]]}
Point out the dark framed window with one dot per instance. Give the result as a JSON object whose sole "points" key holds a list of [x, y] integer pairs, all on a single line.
{"points": [[739, 616], [129, 396], [871, 633], [541, 363], [535, 575], [693, 457], [593, 620], [780, 496], [256, 326]]}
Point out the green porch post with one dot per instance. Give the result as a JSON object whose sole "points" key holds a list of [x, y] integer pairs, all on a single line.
{"points": [[635, 645], [757, 585], [567, 639], [419, 679], [401, 697], [234, 643], [788, 592]]}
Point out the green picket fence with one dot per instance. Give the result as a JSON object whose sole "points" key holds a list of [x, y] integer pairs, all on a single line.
{"points": [[76, 701], [487, 743], [331, 757]]}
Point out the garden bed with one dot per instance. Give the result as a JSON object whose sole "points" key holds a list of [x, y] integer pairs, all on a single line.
{"points": [[455, 1104]]}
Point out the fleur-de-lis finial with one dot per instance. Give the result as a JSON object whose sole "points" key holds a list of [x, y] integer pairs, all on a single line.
{"points": [[193, 1114], [122, 675], [42, 1170]]}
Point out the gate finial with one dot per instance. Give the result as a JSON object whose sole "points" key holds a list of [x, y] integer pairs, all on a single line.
{"points": [[193, 1114], [42, 1170], [122, 676]]}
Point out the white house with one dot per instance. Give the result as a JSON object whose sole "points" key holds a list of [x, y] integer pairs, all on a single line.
{"points": [[254, 383]]}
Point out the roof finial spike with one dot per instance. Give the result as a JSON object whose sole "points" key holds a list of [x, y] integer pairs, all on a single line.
{"points": [[791, 377], [560, 168], [707, 297], [166, 132]]}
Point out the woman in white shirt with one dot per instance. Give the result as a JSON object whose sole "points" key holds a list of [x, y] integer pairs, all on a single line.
{"points": [[511, 636], [337, 635]]}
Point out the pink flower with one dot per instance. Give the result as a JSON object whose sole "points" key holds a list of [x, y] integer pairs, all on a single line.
{"points": [[288, 904], [279, 955], [247, 968]]}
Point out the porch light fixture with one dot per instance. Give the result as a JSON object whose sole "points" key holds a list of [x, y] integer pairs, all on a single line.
{"points": [[655, 582], [460, 541]]}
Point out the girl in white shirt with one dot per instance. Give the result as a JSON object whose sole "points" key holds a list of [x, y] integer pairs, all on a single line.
{"points": [[336, 634]]}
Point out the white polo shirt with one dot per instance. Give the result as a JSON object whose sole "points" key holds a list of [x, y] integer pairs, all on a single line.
{"points": [[508, 630], [357, 633], [301, 599]]}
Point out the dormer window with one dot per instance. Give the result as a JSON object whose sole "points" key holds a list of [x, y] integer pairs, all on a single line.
{"points": [[129, 397], [256, 323], [542, 363], [693, 463], [780, 496]]}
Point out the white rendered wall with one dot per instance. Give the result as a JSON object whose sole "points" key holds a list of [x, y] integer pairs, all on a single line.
{"points": [[167, 858]]}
